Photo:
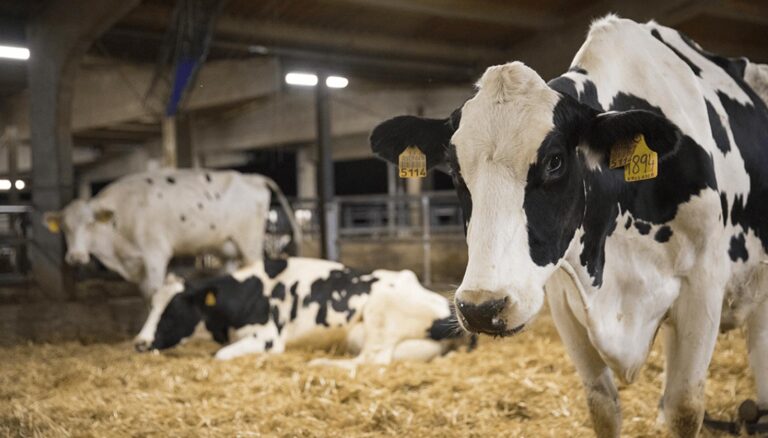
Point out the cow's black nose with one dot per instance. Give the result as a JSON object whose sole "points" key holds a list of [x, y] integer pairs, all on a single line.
{"points": [[483, 317]]}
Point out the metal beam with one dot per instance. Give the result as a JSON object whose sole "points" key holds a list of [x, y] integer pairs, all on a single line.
{"points": [[507, 13], [268, 32]]}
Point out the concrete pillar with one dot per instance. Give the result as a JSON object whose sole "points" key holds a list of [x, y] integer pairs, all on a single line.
{"points": [[168, 126], [58, 36], [413, 188], [178, 151], [327, 206], [306, 172]]}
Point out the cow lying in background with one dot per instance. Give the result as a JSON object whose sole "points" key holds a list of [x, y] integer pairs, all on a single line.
{"points": [[385, 315], [136, 224]]}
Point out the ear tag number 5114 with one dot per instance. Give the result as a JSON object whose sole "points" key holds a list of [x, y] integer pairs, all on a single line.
{"points": [[412, 163]]}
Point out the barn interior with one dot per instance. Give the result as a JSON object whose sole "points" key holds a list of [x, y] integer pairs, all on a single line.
{"points": [[108, 88]]}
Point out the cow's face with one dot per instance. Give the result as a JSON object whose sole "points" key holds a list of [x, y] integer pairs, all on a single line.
{"points": [[79, 222], [173, 317], [519, 153]]}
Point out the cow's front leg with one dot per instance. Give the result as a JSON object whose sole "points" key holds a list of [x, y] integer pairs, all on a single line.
{"points": [[155, 266], [249, 345], [757, 342], [602, 396], [690, 336]]}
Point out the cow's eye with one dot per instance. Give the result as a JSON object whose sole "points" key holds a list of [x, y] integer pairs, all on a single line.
{"points": [[554, 164]]}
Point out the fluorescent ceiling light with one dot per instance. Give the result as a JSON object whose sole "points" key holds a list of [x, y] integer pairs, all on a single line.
{"points": [[336, 81], [11, 52], [302, 79], [5, 184], [20, 184]]}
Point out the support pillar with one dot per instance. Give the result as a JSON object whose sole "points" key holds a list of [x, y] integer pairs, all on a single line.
{"points": [[12, 144], [168, 129], [58, 36], [327, 207], [306, 172]]}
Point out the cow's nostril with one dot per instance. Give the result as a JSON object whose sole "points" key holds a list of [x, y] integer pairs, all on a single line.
{"points": [[484, 317]]}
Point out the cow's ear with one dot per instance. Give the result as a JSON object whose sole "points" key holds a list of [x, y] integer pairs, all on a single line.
{"points": [[52, 220], [103, 216], [615, 129], [432, 136]]}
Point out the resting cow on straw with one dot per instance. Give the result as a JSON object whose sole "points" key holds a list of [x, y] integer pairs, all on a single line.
{"points": [[385, 315]]}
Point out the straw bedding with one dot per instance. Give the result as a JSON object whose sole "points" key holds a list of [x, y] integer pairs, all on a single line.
{"points": [[524, 386]]}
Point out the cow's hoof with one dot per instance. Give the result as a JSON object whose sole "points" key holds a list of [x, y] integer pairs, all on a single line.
{"points": [[141, 346]]}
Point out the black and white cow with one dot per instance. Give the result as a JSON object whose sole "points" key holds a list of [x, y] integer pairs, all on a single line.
{"points": [[385, 315], [619, 259], [136, 224]]}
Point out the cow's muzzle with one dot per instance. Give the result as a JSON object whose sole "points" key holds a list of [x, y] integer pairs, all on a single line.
{"points": [[485, 316], [142, 345]]}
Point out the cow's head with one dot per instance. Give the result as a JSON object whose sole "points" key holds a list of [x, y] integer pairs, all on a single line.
{"points": [[175, 314], [80, 222], [519, 153]]}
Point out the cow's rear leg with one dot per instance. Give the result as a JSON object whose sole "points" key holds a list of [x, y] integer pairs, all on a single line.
{"points": [[757, 342], [602, 396], [690, 338]]}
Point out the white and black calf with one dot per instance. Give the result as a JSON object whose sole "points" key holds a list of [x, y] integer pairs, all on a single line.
{"points": [[136, 224], [686, 249], [386, 315]]}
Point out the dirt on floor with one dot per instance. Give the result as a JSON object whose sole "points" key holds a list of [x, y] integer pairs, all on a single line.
{"points": [[523, 386]]}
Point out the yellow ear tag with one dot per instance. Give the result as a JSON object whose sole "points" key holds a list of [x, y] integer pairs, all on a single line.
{"points": [[53, 227], [210, 299], [412, 163], [644, 163]]}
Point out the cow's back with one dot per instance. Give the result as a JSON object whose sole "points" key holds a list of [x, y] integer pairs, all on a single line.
{"points": [[188, 210]]}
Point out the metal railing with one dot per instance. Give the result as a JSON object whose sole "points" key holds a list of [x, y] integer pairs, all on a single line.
{"points": [[14, 241], [424, 219]]}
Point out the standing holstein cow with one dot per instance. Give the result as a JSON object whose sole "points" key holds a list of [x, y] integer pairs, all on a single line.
{"points": [[384, 315], [136, 224], [685, 249]]}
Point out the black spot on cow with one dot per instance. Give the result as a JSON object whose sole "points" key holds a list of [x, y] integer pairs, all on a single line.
{"points": [[738, 249], [628, 223], [274, 267], [724, 207], [177, 321], [275, 315], [445, 328], [268, 345], [183, 218], [159, 196], [718, 130], [567, 87], [278, 292], [294, 302], [695, 68], [208, 177], [335, 292], [578, 69], [217, 195], [200, 205], [212, 226], [170, 180], [643, 227], [663, 234], [149, 181]]}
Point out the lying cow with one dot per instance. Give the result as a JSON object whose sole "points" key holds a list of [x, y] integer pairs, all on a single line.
{"points": [[683, 249], [136, 224], [385, 315]]}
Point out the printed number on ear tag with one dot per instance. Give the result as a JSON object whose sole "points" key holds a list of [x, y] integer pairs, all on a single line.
{"points": [[210, 299], [644, 163], [412, 163]]}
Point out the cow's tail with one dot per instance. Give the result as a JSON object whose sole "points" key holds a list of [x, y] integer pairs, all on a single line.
{"points": [[296, 230]]}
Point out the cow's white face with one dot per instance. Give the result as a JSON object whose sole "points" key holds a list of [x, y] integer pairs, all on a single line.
{"points": [[497, 143], [520, 154], [81, 226]]}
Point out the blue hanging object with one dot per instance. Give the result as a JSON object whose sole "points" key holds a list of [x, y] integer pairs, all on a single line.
{"points": [[184, 70]]}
